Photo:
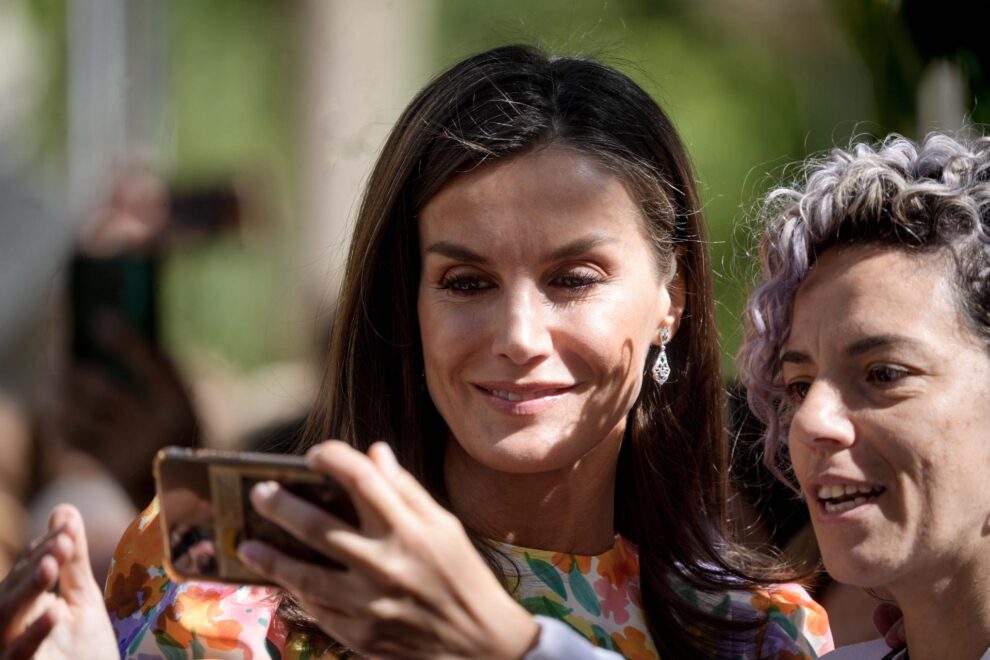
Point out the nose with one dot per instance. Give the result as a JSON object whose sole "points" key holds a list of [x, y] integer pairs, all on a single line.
{"points": [[822, 420], [523, 334]]}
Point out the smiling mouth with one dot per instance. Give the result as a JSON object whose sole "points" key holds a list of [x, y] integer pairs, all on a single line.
{"points": [[514, 397], [838, 498]]}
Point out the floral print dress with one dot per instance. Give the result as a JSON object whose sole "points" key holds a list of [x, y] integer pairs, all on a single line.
{"points": [[598, 596]]}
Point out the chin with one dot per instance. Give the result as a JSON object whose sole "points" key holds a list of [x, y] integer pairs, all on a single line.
{"points": [[526, 453], [858, 567]]}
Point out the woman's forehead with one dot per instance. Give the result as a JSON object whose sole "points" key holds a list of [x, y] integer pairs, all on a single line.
{"points": [[866, 290], [551, 192]]}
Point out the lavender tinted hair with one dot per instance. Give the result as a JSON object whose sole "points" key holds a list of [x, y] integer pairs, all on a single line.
{"points": [[929, 198]]}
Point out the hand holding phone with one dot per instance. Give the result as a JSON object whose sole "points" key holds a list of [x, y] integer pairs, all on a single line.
{"points": [[415, 587], [205, 510]]}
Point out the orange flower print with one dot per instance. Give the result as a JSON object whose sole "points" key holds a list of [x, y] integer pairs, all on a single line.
{"points": [[619, 566], [126, 593], [766, 602], [131, 585], [816, 620], [563, 562], [789, 596], [198, 609], [786, 599], [632, 644]]}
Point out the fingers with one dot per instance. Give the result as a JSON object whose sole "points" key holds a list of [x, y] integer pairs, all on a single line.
{"points": [[363, 616], [25, 645], [889, 621], [323, 587], [38, 544], [408, 487], [34, 574], [309, 523], [378, 504], [76, 580], [896, 637]]}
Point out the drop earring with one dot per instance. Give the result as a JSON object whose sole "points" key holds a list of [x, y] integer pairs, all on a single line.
{"points": [[661, 367]]}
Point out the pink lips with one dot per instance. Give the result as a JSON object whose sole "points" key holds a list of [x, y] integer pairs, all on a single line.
{"points": [[523, 398]]}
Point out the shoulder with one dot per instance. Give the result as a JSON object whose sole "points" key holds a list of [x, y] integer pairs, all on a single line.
{"points": [[795, 623], [151, 614]]}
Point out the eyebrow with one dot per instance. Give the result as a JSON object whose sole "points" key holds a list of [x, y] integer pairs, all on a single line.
{"points": [[572, 249], [854, 349], [455, 251], [581, 246], [877, 341]]}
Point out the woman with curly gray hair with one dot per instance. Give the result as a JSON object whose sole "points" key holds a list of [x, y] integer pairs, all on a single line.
{"points": [[866, 356]]}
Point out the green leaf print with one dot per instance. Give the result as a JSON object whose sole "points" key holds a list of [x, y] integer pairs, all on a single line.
{"points": [[546, 607], [724, 609], [582, 590], [547, 574], [784, 623], [198, 652], [603, 639], [170, 648]]}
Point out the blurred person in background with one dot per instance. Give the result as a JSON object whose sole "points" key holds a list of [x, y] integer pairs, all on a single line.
{"points": [[529, 256], [114, 397]]}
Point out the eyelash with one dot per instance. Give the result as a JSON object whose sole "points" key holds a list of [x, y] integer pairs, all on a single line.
{"points": [[882, 375], [873, 374], [471, 285], [464, 285]]}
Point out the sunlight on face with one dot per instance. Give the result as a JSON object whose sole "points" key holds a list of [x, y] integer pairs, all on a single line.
{"points": [[538, 301], [890, 438]]}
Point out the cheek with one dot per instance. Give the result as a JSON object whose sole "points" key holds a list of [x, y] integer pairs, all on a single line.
{"points": [[609, 343], [798, 455], [449, 334]]}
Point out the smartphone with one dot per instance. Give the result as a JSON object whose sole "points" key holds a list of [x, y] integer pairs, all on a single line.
{"points": [[205, 511], [204, 211], [124, 286]]}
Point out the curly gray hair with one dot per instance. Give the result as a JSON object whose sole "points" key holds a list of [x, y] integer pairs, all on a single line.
{"points": [[929, 198]]}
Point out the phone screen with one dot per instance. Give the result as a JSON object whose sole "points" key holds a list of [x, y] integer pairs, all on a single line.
{"points": [[206, 512]]}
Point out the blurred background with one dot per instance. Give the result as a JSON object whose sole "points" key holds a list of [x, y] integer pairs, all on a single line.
{"points": [[206, 159]]}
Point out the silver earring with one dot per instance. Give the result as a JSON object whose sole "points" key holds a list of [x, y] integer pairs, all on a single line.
{"points": [[661, 368]]}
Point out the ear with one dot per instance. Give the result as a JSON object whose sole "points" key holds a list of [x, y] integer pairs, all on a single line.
{"points": [[676, 292]]}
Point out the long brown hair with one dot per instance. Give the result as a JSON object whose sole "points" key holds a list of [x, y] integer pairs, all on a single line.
{"points": [[671, 486]]}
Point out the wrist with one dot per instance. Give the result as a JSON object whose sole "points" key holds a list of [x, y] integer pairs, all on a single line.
{"points": [[517, 633]]}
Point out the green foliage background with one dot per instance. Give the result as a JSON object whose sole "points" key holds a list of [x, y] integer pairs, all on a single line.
{"points": [[750, 86]]}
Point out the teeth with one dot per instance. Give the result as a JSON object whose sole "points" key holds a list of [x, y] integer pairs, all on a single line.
{"points": [[835, 491], [838, 507], [520, 396], [838, 498]]}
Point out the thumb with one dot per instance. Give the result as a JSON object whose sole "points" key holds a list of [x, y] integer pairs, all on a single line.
{"points": [[76, 580]]}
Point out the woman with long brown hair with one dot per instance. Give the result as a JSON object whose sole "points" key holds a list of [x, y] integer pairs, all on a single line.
{"points": [[527, 323]]}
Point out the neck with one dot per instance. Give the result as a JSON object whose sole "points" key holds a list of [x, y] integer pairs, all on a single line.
{"points": [[946, 617], [567, 510]]}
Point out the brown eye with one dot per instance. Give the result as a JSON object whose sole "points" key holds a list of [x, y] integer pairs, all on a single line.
{"points": [[577, 279], [885, 374], [797, 390], [465, 285]]}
